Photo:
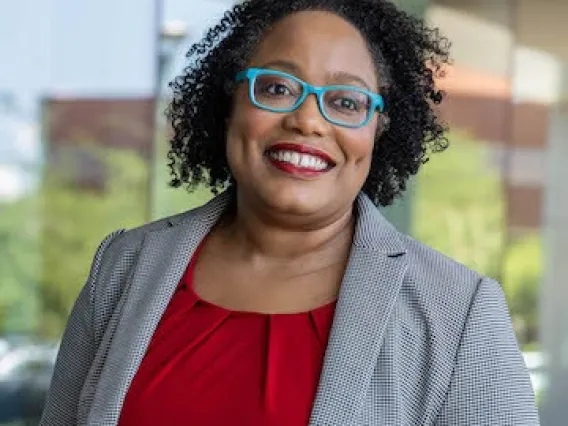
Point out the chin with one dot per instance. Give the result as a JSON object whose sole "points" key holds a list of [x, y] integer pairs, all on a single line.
{"points": [[297, 203]]}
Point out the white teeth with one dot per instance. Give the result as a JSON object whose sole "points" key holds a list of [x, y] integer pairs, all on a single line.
{"points": [[305, 161], [296, 158]]}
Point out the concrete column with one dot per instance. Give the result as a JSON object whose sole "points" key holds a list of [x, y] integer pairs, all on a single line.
{"points": [[554, 295]]}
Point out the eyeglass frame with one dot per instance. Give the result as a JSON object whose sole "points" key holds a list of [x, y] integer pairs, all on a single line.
{"points": [[250, 74]]}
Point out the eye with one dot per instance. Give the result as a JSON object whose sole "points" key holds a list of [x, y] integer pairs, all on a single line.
{"points": [[347, 104], [277, 89], [275, 86], [347, 101]]}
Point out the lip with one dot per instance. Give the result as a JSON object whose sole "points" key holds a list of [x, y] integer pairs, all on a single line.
{"points": [[291, 169], [302, 149]]}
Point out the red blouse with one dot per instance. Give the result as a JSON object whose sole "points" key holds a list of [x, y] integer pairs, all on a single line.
{"points": [[209, 366]]}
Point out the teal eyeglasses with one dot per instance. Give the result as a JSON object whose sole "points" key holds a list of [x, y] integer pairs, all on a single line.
{"points": [[277, 91]]}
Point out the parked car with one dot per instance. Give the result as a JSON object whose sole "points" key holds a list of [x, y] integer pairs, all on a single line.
{"points": [[4, 347], [25, 375], [536, 364]]}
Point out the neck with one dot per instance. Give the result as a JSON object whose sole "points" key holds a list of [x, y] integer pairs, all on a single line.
{"points": [[260, 234]]}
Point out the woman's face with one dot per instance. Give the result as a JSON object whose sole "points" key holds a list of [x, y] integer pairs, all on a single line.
{"points": [[321, 49]]}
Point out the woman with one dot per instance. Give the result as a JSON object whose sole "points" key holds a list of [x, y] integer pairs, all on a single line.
{"points": [[288, 299]]}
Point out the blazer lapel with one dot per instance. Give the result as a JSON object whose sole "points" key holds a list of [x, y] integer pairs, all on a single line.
{"points": [[163, 258], [370, 287]]}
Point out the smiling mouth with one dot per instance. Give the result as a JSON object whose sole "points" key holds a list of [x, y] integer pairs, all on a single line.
{"points": [[299, 159], [303, 161]]}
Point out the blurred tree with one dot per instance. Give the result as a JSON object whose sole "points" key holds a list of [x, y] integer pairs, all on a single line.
{"points": [[47, 241], [459, 208], [522, 275], [459, 211], [168, 200], [74, 221], [18, 266]]}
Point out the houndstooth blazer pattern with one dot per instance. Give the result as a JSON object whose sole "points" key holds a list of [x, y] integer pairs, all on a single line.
{"points": [[417, 339]]}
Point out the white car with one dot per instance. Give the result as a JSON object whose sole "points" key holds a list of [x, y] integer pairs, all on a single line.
{"points": [[536, 363]]}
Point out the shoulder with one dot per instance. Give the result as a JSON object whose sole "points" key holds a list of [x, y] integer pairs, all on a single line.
{"points": [[442, 301], [118, 255], [435, 288], [427, 271], [438, 294], [119, 252], [437, 274], [451, 310], [123, 246], [126, 242]]}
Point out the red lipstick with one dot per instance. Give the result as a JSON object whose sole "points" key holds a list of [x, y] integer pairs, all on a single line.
{"points": [[296, 170], [302, 149]]}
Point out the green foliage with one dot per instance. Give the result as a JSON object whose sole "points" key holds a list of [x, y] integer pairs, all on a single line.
{"points": [[47, 240], [459, 210], [458, 205], [169, 201], [19, 260], [522, 274], [74, 222]]}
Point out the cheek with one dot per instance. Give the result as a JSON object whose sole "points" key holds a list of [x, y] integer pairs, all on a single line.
{"points": [[369, 142], [248, 129], [249, 123], [359, 145], [368, 139]]}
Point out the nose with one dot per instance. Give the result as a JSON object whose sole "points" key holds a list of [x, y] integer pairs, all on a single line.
{"points": [[307, 119]]}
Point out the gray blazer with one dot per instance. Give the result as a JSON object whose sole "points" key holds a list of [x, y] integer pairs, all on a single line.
{"points": [[417, 339]]}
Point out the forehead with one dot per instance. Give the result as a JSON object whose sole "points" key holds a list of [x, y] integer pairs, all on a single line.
{"points": [[319, 43]]}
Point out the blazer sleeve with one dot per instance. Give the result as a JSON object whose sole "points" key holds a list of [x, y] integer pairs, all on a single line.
{"points": [[490, 383], [76, 352]]}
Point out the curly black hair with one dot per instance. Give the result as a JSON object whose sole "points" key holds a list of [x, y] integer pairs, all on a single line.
{"points": [[408, 56]]}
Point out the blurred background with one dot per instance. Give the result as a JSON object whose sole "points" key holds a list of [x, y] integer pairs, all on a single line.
{"points": [[83, 86]]}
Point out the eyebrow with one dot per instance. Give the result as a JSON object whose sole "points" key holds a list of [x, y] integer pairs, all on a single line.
{"points": [[338, 75]]}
